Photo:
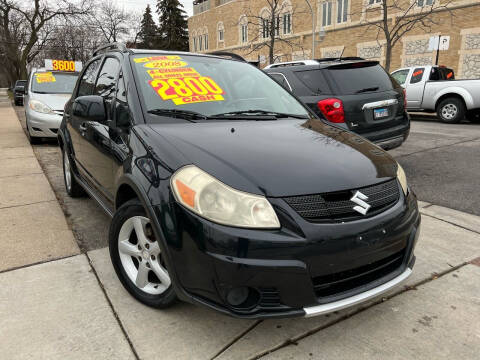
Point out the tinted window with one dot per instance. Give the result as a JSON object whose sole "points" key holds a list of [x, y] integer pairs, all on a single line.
{"points": [[417, 75], [107, 77], [441, 74], [401, 76], [361, 77], [280, 78], [122, 112], [49, 82], [208, 86], [87, 83], [314, 80], [21, 83]]}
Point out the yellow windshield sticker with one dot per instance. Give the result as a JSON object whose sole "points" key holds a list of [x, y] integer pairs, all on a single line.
{"points": [[44, 77], [180, 83], [165, 64], [161, 57]]}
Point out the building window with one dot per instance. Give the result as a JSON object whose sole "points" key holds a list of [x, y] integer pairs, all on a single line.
{"points": [[342, 11], [277, 25], [326, 14], [371, 2], [244, 33], [287, 23], [205, 45], [200, 43], [265, 28], [423, 3], [194, 43], [220, 35]]}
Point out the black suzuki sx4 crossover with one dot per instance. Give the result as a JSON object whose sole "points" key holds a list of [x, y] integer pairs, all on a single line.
{"points": [[224, 190]]}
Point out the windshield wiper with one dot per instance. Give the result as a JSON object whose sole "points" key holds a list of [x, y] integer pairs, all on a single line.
{"points": [[184, 114], [366, 90], [254, 112]]}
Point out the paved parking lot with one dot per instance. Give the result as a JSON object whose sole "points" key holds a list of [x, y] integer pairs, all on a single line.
{"points": [[76, 307]]}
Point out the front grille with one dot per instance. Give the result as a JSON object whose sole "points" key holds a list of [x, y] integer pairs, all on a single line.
{"points": [[269, 298], [337, 283], [337, 205]]}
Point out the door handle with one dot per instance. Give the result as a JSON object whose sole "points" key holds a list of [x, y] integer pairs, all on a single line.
{"points": [[82, 128]]}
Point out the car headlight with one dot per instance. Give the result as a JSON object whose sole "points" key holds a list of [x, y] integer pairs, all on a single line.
{"points": [[402, 178], [40, 107], [215, 201]]}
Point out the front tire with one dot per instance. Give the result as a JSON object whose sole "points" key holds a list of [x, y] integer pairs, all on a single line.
{"points": [[137, 257], [73, 188], [451, 110]]}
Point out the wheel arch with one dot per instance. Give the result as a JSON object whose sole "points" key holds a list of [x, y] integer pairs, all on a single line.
{"points": [[457, 95]]}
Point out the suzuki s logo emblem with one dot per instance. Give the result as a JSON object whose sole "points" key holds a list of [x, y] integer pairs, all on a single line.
{"points": [[359, 199]]}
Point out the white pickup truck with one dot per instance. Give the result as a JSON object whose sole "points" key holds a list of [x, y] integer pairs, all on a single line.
{"points": [[434, 89]]}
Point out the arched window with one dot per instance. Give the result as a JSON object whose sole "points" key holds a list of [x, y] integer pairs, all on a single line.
{"points": [[243, 29], [194, 41], [205, 38], [265, 23]]}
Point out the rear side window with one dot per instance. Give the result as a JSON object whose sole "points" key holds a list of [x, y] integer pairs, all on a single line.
{"points": [[359, 78], [281, 79], [417, 75], [314, 80], [87, 82]]}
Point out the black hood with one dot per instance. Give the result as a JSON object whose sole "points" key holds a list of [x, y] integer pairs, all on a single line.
{"points": [[273, 158]]}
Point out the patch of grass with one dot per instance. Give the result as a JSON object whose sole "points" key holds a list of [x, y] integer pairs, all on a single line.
{"points": [[10, 94]]}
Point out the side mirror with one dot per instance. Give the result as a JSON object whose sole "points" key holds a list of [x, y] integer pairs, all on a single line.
{"points": [[90, 108]]}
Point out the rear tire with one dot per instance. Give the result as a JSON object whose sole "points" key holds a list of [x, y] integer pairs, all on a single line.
{"points": [[137, 257], [73, 188], [451, 110]]}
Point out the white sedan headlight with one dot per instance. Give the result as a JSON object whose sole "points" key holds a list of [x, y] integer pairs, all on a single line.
{"points": [[402, 178], [215, 201], [40, 107]]}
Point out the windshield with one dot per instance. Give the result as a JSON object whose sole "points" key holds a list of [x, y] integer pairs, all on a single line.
{"points": [[53, 82], [209, 86], [361, 77]]}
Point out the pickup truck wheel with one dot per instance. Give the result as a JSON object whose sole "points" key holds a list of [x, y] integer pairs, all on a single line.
{"points": [[137, 257], [71, 185], [451, 110]]}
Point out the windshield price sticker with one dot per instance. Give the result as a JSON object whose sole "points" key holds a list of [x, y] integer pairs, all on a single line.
{"points": [[188, 90], [182, 85], [63, 65], [152, 58], [44, 77]]}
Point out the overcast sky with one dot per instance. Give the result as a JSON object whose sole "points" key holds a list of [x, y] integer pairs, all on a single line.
{"points": [[140, 5]]}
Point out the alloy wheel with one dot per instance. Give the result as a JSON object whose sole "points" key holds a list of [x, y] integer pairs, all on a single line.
{"points": [[449, 111], [140, 256]]}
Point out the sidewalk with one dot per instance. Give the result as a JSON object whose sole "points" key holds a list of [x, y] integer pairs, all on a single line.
{"points": [[56, 303]]}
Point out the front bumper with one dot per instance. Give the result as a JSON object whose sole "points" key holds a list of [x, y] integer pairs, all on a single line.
{"points": [[42, 125], [293, 271]]}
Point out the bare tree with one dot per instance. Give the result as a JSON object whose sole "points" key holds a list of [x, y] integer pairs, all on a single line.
{"points": [[112, 21], [393, 19], [22, 47], [271, 28]]}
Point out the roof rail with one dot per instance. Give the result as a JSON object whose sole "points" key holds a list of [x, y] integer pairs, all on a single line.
{"points": [[111, 46], [346, 58], [228, 54], [292, 63]]}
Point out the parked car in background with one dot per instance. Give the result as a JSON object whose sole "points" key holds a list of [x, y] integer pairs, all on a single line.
{"points": [[19, 91], [352, 93], [433, 88], [226, 191], [46, 95]]}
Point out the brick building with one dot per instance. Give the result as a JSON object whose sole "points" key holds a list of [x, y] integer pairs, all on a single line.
{"points": [[341, 28]]}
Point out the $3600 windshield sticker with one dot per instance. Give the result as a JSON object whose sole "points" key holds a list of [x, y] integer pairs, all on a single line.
{"points": [[173, 79]]}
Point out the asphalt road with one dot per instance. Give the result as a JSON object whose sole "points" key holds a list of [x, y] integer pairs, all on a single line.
{"points": [[442, 163]]}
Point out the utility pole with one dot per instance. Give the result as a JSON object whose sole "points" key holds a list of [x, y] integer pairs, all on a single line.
{"points": [[438, 50], [313, 28]]}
